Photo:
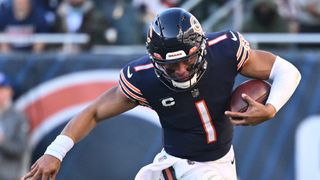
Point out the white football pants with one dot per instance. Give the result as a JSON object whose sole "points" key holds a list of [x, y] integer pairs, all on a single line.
{"points": [[220, 169]]}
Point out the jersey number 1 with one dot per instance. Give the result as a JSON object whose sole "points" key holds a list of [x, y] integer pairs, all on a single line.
{"points": [[206, 121]]}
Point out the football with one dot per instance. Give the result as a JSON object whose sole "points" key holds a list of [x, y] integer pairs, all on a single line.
{"points": [[257, 89]]}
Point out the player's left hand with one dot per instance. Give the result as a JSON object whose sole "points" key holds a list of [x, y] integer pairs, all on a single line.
{"points": [[255, 114]]}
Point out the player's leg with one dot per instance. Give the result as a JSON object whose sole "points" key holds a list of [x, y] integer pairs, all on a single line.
{"points": [[202, 173], [226, 165], [221, 169]]}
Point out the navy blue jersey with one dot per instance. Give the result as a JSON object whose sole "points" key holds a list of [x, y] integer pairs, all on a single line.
{"points": [[193, 121]]}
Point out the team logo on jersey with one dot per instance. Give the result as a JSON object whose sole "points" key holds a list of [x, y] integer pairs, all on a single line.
{"points": [[162, 158], [128, 72], [232, 162], [234, 37], [167, 102], [190, 162]]}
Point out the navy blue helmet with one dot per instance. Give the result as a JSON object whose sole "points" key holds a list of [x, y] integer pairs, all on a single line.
{"points": [[175, 36]]}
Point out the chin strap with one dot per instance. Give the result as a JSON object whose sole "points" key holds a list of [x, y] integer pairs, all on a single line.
{"points": [[190, 83], [186, 84]]}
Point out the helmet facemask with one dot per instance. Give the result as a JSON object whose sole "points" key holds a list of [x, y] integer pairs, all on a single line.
{"points": [[193, 63], [172, 48]]}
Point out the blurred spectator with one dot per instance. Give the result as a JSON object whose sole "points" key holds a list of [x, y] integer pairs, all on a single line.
{"points": [[50, 8], [206, 8], [265, 18], [309, 15], [21, 19], [148, 9], [80, 16], [125, 20], [13, 134], [288, 11]]}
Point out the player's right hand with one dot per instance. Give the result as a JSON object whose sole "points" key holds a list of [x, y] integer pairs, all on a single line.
{"points": [[254, 115], [46, 167]]}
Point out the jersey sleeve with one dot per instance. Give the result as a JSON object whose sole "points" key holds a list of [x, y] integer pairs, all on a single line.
{"points": [[130, 87], [241, 48]]}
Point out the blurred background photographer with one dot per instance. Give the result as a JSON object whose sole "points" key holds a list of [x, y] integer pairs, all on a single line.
{"points": [[13, 134]]}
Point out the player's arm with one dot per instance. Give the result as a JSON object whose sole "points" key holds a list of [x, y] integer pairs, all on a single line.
{"points": [[265, 65], [109, 104], [258, 65]]}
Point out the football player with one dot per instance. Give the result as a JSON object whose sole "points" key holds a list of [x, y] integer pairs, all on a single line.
{"points": [[187, 78]]}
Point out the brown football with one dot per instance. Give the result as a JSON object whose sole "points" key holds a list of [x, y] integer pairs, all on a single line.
{"points": [[257, 89]]}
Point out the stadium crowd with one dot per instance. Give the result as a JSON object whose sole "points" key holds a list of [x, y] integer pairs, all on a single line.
{"points": [[114, 22]]}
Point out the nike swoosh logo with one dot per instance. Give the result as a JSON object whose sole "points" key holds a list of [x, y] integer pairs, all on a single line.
{"points": [[128, 72], [234, 37]]}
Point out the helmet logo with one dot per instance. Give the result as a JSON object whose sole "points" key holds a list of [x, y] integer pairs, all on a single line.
{"points": [[196, 25], [175, 55]]}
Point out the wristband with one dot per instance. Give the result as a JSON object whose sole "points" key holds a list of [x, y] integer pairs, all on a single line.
{"points": [[60, 146]]}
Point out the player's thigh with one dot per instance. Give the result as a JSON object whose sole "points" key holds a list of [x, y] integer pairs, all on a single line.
{"points": [[211, 173], [223, 168], [202, 173]]}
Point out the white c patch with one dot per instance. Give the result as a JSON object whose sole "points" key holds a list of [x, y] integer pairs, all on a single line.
{"points": [[168, 102]]}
